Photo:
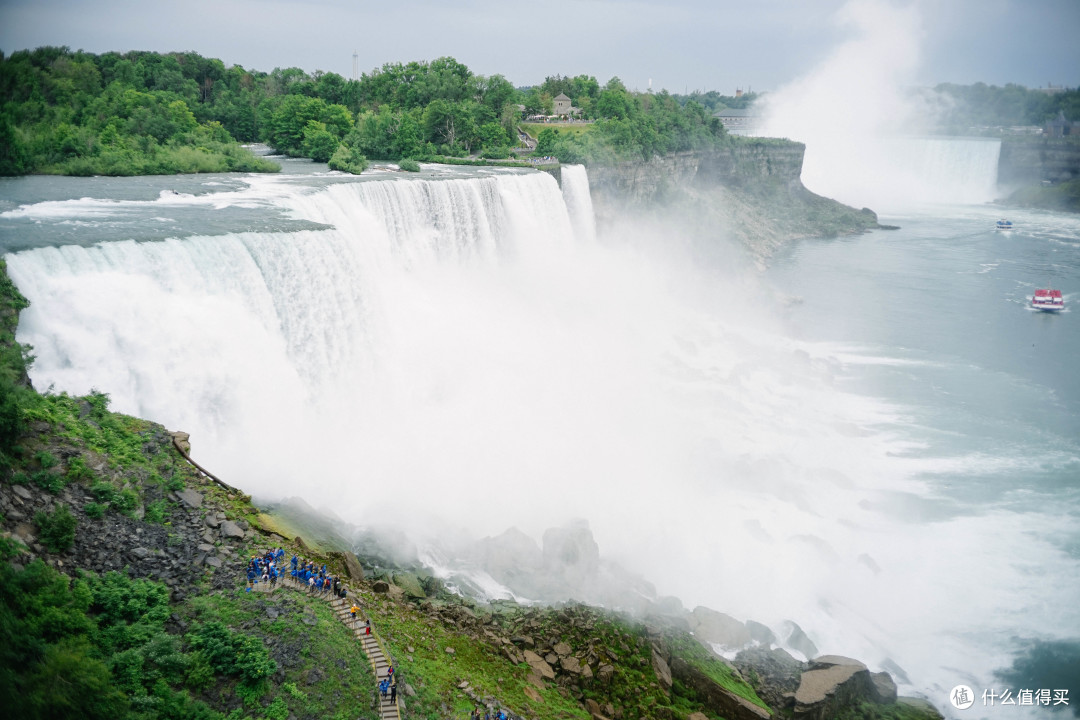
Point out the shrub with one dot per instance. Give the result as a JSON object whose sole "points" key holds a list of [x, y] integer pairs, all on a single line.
{"points": [[93, 509], [47, 459], [57, 529], [125, 501], [156, 511], [78, 470], [348, 159], [230, 653], [49, 481], [103, 491], [409, 165]]}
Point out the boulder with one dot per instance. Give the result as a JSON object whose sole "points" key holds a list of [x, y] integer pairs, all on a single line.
{"points": [[24, 532], [715, 627], [562, 649], [796, 639], [832, 683], [532, 694], [353, 566], [663, 672], [229, 529], [571, 665], [605, 673], [539, 665], [190, 498], [760, 633], [884, 689], [777, 671], [381, 586], [22, 492], [182, 440]]}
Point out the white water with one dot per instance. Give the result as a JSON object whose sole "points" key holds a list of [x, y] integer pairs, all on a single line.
{"points": [[898, 173], [464, 355]]}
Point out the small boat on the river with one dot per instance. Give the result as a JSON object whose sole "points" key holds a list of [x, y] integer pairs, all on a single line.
{"points": [[1048, 300], [1004, 224]]}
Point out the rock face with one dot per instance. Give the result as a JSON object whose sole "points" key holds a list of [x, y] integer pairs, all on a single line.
{"points": [[1030, 160], [352, 566], [718, 699], [663, 672], [832, 683], [777, 671], [796, 639], [752, 188], [716, 627]]}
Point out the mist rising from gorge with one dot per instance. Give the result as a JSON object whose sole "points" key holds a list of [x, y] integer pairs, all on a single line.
{"points": [[865, 127]]}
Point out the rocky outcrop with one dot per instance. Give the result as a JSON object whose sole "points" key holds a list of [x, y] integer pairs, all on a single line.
{"points": [[749, 190], [832, 683], [714, 627], [718, 698], [775, 673], [1032, 160]]}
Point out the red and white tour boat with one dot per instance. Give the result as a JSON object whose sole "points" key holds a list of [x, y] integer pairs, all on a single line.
{"points": [[1049, 300]]}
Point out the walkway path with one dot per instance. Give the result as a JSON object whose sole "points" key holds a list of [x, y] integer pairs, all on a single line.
{"points": [[372, 648]]}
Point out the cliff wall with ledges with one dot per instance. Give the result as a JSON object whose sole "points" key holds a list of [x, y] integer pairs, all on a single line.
{"points": [[749, 190]]}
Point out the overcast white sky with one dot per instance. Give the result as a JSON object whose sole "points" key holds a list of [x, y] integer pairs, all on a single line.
{"points": [[679, 44]]}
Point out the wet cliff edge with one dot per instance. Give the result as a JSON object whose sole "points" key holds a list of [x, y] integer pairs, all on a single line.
{"points": [[749, 191]]}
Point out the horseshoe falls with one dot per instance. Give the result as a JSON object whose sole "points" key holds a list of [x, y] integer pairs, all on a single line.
{"points": [[860, 439]]}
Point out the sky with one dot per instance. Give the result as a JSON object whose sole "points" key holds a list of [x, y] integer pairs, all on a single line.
{"points": [[678, 45]]}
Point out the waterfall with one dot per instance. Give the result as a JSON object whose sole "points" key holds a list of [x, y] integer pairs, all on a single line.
{"points": [[894, 173], [456, 356], [575, 188]]}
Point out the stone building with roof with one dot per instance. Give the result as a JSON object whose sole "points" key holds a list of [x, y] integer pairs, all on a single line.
{"points": [[564, 106]]}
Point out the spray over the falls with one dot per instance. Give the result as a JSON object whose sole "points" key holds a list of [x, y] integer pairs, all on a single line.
{"points": [[455, 357], [865, 128]]}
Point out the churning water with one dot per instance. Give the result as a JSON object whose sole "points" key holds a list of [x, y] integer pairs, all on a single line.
{"points": [[875, 439]]}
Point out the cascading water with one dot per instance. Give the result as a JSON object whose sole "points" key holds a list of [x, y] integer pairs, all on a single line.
{"points": [[891, 174], [464, 355]]}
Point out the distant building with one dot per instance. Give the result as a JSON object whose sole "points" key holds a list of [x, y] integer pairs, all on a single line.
{"points": [[564, 106], [1050, 89], [1060, 127], [739, 122]]}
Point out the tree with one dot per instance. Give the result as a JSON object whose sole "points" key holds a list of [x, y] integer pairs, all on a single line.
{"points": [[319, 143]]}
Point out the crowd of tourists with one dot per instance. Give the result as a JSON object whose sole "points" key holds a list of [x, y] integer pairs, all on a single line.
{"points": [[270, 567]]}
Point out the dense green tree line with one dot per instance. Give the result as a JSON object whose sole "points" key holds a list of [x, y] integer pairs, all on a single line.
{"points": [[144, 112], [990, 105], [713, 101], [635, 125], [132, 114]]}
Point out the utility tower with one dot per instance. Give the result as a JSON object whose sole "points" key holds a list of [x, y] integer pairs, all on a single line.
{"points": [[355, 66]]}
